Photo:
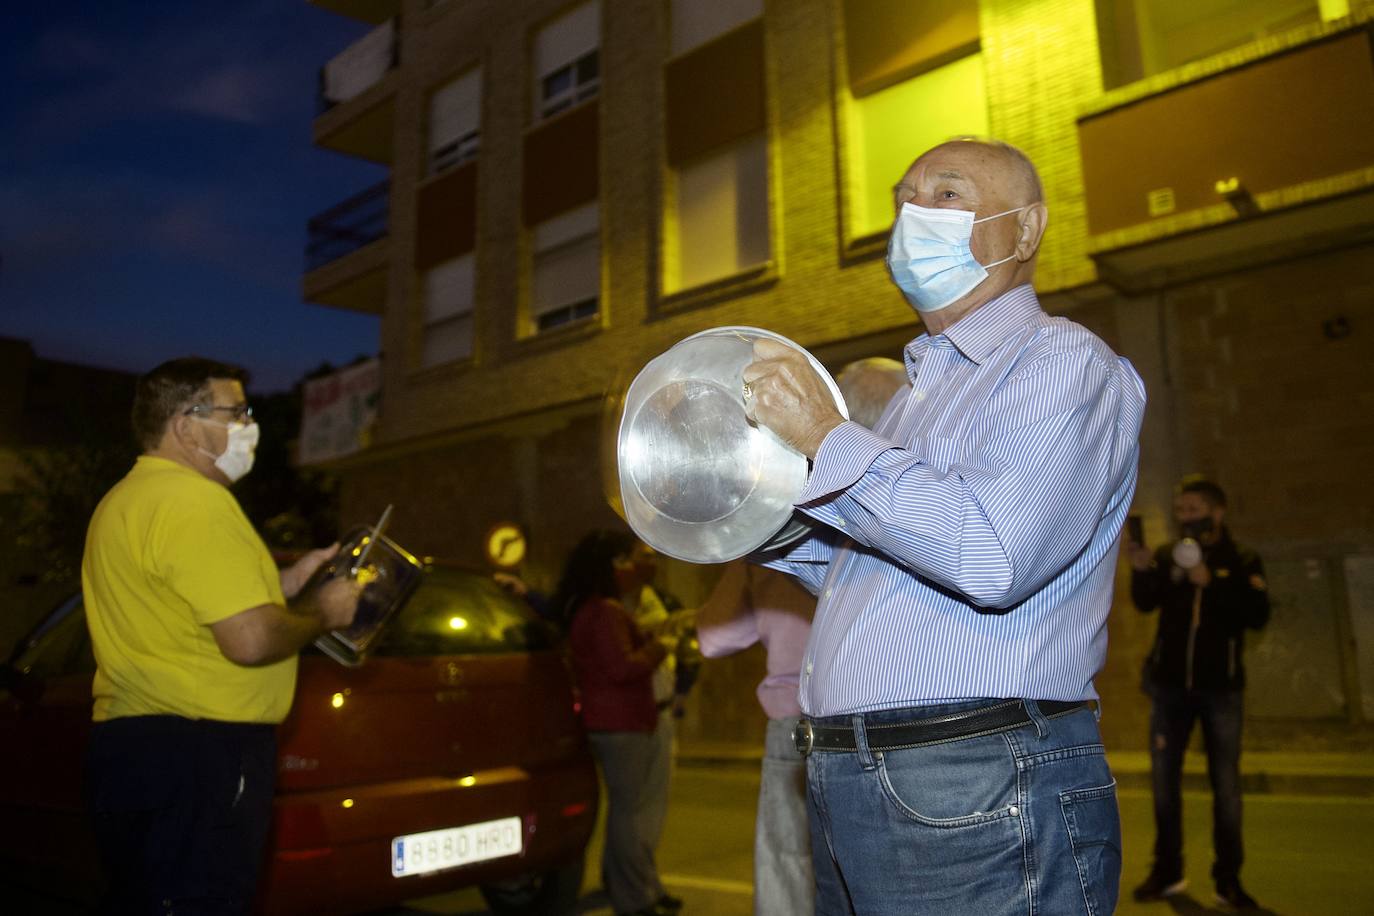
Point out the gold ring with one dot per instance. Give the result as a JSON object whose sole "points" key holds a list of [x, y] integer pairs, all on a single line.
{"points": [[747, 391]]}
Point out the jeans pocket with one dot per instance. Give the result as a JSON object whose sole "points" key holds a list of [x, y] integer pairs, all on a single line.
{"points": [[1094, 825], [924, 788]]}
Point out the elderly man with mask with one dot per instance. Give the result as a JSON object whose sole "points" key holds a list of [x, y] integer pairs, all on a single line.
{"points": [[195, 649], [751, 605], [963, 561]]}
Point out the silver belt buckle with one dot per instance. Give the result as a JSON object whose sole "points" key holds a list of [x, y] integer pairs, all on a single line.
{"points": [[802, 737]]}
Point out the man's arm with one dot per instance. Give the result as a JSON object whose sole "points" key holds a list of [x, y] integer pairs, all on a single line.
{"points": [[1014, 501], [1244, 594], [725, 621], [269, 632], [1150, 583], [294, 577], [1257, 604], [807, 561]]}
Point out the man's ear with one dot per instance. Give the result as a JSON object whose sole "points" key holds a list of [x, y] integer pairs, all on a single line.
{"points": [[1031, 231], [179, 430]]}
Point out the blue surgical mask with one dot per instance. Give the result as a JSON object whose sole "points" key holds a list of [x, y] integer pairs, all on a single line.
{"points": [[929, 255]]}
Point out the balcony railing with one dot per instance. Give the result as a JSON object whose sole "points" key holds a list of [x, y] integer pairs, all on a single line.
{"points": [[360, 66], [348, 226]]}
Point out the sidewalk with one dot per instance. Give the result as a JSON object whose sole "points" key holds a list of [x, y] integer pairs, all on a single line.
{"points": [[1279, 773], [1275, 772]]}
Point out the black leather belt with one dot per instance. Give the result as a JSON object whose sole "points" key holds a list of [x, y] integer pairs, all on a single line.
{"points": [[919, 732]]}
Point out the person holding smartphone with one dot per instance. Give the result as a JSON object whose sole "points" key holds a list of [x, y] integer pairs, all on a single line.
{"points": [[1208, 590]]}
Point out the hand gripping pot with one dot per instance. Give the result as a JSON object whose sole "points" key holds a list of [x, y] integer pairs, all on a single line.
{"points": [[387, 572], [698, 480]]}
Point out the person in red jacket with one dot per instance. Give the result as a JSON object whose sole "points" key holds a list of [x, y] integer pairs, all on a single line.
{"points": [[614, 664]]}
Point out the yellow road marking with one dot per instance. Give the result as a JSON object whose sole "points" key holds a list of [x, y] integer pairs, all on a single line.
{"points": [[710, 884]]}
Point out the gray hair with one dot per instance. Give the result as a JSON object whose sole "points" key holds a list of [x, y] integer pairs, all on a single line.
{"points": [[868, 385]]}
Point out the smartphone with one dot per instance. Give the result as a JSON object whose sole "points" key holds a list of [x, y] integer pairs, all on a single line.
{"points": [[1135, 530]]}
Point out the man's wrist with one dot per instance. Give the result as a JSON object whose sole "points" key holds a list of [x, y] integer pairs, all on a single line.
{"points": [[813, 443], [307, 609]]}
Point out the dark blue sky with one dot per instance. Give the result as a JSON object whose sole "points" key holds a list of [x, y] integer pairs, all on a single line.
{"points": [[156, 175]]}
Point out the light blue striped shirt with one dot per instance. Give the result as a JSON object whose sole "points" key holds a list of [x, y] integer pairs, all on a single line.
{"points": [[969, 542]]}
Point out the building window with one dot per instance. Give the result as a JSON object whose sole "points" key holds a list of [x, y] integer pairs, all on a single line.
{"points": [[903, 58], [695, 22], [448, 294], [566, 66], [716, 207], [455, 121], [566, 271], [569, 84], [1140, 38], [883, 138], [718, 223]]}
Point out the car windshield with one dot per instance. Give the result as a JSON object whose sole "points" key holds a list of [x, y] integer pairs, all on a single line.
{"points": [[60, 645], [457, 613], [453, 612]]}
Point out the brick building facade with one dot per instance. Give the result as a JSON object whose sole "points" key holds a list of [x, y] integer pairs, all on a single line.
{"points": [[716, 163]]}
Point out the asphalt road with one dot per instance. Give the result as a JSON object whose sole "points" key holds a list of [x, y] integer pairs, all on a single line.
{"points": [[1307, 855]]}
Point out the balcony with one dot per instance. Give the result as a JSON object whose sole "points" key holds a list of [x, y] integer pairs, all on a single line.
{"points": [[1263, 153], [356, 97], [346, 252]]}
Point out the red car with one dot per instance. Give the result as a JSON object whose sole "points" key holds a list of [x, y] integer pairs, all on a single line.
{"points": [[452, 757]]}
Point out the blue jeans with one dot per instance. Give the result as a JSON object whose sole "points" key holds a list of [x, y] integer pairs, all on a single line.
{"points": [[1017, 822], [1172, 715]]}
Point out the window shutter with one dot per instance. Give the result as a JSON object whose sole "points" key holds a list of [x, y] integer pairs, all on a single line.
{"points": [[455, 121]]}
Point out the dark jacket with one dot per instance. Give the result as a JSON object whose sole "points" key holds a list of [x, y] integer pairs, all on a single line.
{"points": [[1202, 651], [614, 664]]}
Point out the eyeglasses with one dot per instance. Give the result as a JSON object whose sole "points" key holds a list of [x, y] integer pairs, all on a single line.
{"points": [[238, 413]]}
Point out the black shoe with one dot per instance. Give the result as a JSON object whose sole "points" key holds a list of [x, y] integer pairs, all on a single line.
{"points": [[1158, 886], [655, 909], [1232, 894], [669, 902]]}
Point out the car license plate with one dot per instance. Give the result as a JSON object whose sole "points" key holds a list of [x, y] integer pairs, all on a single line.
{"points": [[419, 853]]}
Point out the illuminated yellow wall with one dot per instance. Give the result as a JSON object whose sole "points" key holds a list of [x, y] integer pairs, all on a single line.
{"points": [[887, 130], [1173, 34]]}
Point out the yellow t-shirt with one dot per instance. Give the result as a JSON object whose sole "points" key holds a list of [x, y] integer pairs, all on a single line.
{"points": [[168, 553]]}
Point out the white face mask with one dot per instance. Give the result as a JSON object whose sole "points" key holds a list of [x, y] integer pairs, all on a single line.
{"points": [[929, 255], [237, 457]]}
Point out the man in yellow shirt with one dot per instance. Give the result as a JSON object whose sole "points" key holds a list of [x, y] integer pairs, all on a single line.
{"points": [[195, 650]]}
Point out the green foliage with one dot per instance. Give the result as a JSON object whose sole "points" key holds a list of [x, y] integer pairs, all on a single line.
{"points": [[57, 491], [59, 486]]}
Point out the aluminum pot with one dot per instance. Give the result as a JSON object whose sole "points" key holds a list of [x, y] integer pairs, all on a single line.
{"points": [[698, 480]]}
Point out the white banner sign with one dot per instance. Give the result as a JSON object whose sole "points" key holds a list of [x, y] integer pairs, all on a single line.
{"points": [[339, 412]]}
